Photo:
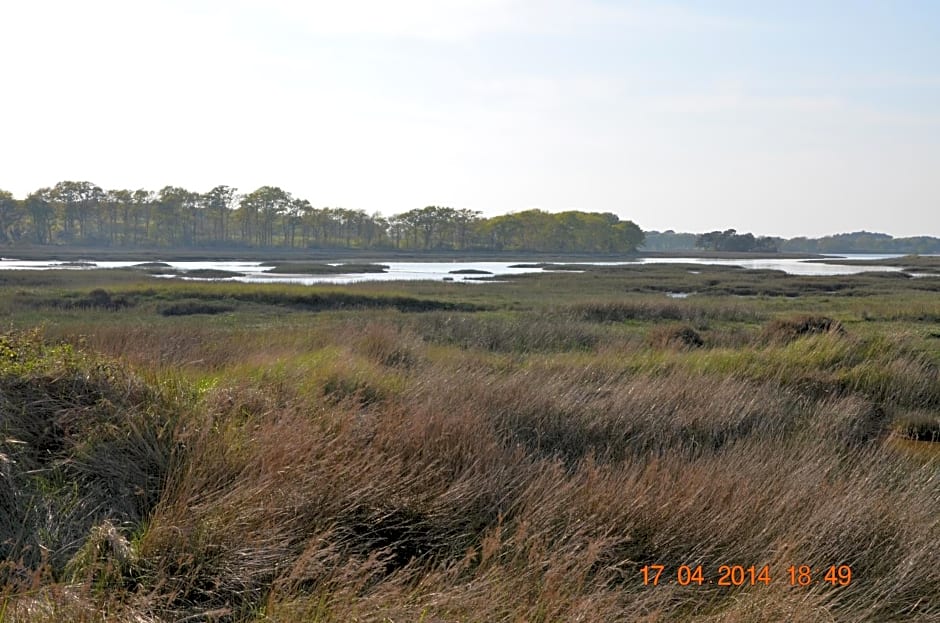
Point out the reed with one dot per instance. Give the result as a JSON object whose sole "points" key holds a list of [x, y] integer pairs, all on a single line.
{"points": [[487, 457]]}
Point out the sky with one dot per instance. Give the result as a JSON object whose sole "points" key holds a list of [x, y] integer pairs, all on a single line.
{"points": [[779, 118]]}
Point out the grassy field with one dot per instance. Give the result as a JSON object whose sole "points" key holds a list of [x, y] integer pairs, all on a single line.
{"points": [[523, 451]]}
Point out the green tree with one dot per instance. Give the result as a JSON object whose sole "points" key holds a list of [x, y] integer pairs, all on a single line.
{"points": [[142, 202], [260, 211], [115, 206], [41, 215], [175, 216], [220, 203], [11, 217], [421, 224], [731, 240], [74, 202]]}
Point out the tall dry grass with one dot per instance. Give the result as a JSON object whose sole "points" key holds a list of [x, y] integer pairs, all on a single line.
{"points": [[377, 466], [451, 506]]}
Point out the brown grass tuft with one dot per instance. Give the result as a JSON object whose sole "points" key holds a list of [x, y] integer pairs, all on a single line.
{"points": [[783, 330], [675, 336]]}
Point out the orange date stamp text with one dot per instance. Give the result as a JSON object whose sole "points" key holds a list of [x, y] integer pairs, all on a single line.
{"points": [[740, 575]]}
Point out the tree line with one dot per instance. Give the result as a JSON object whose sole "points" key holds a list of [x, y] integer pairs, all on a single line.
{"points": [[730, 240], [863, 242], [83, 214]]}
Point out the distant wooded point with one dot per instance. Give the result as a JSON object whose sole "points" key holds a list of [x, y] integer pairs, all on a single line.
{"points": [[83, 214], [730, 240]]}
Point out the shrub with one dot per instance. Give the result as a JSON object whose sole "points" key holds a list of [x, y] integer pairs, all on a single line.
{"points": [[675, 336], [922, 426], [789, 329], [189, 308], [82, 442], [101, 299]]}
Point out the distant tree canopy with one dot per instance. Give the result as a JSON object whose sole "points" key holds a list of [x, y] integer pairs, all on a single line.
{"points": [[863, 242], [82, 213], [669, 240], [856, 242], [731, 240]]}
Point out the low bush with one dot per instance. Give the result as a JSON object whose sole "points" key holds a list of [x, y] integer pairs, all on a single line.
{"points": [[192, 307], [82, 442], [98, 298], [675, 336], [921, 426], [792, 328]]}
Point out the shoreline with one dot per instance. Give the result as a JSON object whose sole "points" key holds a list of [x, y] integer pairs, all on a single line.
{"points": [[45, 253]]}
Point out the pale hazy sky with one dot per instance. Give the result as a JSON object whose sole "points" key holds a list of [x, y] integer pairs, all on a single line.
{"points": [[785, 118]]}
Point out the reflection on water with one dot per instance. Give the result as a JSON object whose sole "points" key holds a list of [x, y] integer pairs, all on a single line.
{"points": [[254, 272]]}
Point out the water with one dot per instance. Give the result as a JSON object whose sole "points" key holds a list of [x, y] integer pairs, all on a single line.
{"points": [[788, 265], [254, 272]]}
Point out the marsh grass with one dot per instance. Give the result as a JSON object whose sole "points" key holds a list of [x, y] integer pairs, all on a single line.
{"points": [[506, 333], [336, 454], [81, 442]]}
